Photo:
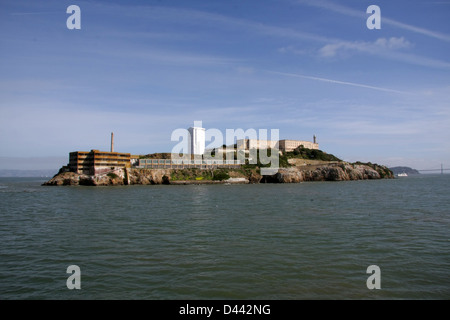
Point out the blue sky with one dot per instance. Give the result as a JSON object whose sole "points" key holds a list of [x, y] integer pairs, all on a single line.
{"points": [[142, 69]]}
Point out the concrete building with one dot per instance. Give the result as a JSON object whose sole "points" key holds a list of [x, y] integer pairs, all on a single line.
{"points": [[247, 144], [196, 139], [290, 145], [282, 145], [97, 162]]}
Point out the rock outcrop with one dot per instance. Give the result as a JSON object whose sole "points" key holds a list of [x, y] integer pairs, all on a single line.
{"points": [[149, 176], [64, 179], [331, 172], [74, 179]]}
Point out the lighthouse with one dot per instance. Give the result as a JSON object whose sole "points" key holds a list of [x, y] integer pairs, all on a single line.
{"points": [[196, 139]]}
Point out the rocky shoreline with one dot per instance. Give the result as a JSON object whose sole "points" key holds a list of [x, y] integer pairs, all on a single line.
{"points": [[330, 172], [336, 172]]}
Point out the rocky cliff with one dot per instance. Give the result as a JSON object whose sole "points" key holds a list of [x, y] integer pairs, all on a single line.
{"points": [[330, 172], [149, 176], [333, 172], [75, 179]]}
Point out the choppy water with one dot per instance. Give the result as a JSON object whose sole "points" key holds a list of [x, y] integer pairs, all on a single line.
{"points": [[286, 241]]}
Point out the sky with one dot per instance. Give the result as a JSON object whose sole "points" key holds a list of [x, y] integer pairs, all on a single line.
{"points": [[142, 69]]}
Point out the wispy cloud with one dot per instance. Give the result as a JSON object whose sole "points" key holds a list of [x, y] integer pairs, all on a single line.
{"points": [[33, 13], [360, 85], [429, 33], [294, 50], [328, 5], [232, 23], [387, 48], [382, 47], [382, 44], [174, 58]]}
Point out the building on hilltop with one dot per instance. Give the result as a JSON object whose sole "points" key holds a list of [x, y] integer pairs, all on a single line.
{"points": [[282, 145], [291, 145], [247, 144]]}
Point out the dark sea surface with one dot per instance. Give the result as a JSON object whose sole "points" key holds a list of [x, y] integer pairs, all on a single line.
{"points": [[310, 240]]}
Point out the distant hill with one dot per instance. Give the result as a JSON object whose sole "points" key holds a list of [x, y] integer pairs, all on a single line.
{"points": [[27, 173], [407, 170]]}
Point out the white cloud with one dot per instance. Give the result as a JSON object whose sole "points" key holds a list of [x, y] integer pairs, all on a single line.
{"points": [[353, 84], [381, 44], [390, 48], [392, 43]]}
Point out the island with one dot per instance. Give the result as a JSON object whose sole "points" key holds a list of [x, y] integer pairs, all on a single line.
{"points": [[407, 170], [98, 168]]}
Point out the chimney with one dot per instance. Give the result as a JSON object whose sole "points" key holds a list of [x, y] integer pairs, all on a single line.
{"points": [[314, 138], [112, 141]]}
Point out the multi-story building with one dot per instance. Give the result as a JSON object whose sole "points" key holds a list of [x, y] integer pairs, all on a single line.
{"points": [[282, 145], [247, 144], [97, 162], [290, 145]]}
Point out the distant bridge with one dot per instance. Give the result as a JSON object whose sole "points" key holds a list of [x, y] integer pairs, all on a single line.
{"points": [[441, 170]]}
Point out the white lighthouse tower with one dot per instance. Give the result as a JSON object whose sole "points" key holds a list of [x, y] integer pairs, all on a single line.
{"points": [[196, 139]]}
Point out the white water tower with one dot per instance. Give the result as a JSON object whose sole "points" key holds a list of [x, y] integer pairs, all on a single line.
{"points": [[196, 139]]}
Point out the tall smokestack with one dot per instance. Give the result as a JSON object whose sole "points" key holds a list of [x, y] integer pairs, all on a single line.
{"points": [[112, 141]]}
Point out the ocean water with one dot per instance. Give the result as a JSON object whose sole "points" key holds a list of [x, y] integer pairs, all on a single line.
{"points": [[311, 240]]}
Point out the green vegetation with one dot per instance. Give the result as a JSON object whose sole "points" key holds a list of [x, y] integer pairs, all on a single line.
{"points": [[221, 174], [284, 163], [112, 175], [298, 153], [311, 154], [199, 175], [164, 155], [191, 174], [283, 160], [247, 169], [384, 172]]}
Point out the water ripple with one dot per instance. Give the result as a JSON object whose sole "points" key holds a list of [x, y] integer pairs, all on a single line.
{"points": [[292, 241]]}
